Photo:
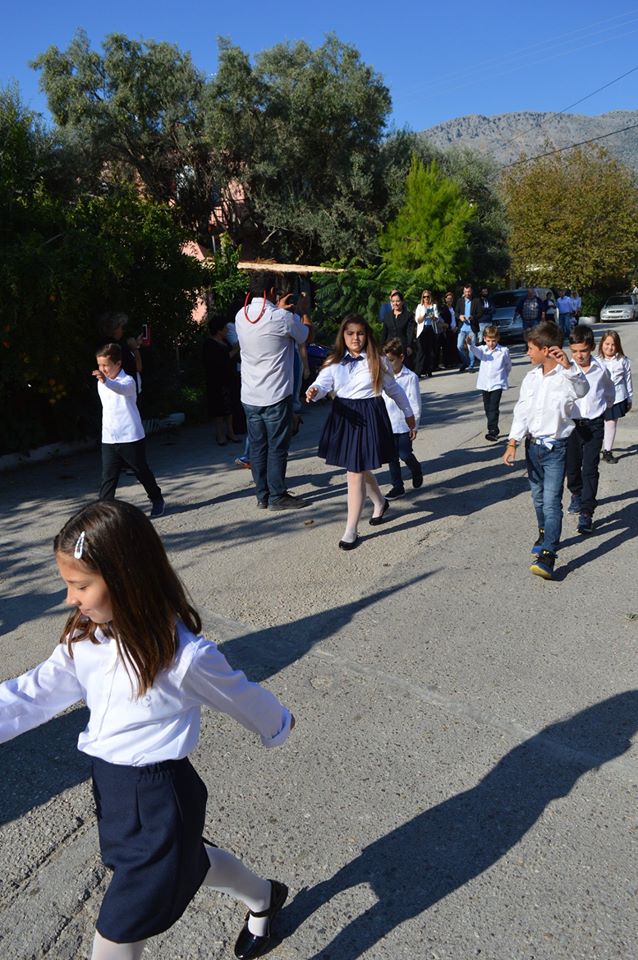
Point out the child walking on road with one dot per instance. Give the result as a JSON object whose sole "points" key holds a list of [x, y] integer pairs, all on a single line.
{"points": [[409, 381], [132, 649], [618, 366], [492, 376], [123, 435], [543, 418], [357, 434]]}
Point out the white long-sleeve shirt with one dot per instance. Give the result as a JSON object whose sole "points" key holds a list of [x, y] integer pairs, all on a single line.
{"points": [[352, 381], [600, 394], [409, 382], [544, 409], [619, 369], [495, 367], [123, 728], [121, 421]]}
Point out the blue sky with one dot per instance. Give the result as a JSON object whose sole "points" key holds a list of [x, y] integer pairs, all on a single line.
{"points": [[440, 60]]}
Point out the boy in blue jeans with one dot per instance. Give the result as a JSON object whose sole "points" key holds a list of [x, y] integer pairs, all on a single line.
{"points": [[543, 418]]}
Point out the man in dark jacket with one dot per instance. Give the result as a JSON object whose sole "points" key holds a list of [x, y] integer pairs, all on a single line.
{"points": [[469, 310]]}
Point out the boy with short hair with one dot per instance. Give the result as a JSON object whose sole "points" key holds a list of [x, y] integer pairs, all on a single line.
{"points": [[493, 375], [393, 350], [543, 418], [122, 430], [585, 443]]}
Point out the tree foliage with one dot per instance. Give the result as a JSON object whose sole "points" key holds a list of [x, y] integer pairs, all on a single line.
{"points": [[574, 220], [428, 236]]}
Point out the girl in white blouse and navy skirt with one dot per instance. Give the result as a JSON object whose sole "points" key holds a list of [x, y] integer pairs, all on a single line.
{"points": [[132, 649], [357, 434]]}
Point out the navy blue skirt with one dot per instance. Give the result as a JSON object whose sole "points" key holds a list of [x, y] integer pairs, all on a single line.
{"points": [[150, 823], [617, 411], [357, 435]]}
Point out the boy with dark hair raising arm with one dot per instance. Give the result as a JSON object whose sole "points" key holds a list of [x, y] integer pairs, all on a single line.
{"points": [[543, 418]]}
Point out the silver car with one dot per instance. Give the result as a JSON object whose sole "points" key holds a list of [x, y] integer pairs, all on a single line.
{"points": [[622, 307], [509, 323]]}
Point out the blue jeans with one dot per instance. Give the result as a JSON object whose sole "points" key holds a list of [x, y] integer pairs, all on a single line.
{"points": [[403, 447], [565, 324], [269, 437], [467, 357], [546, 474]]}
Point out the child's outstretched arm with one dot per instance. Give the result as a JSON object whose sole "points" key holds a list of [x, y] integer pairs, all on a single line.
{"points": [[35, 697], [211, 680]]}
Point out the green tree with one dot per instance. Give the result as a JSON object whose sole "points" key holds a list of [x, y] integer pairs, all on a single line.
{"points": [[574, 220], [429, 234]]}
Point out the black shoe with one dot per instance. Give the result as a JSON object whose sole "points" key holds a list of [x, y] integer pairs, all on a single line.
{"points": [[491, 436], [417, 481], [608, 457], [157, 508], [250, 944], [585, 523], [543, 565], [262, 504], [375, 521], [348, 545], [287, 502], [395, 492]]}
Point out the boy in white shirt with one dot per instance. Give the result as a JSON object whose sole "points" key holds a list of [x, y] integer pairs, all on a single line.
{"points": [[543, 418], [122, 431], [492, 379], [586, 441], [409, 380]]}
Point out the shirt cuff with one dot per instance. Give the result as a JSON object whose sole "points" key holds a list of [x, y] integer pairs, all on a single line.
{"points": [[283, 734]]}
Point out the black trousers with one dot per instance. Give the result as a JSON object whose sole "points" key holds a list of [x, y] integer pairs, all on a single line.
{"points": [[583, 456], [116, 456], [491, 404]]}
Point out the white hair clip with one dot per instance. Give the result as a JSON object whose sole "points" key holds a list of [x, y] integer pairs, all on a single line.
{"points": [[79, 546]]}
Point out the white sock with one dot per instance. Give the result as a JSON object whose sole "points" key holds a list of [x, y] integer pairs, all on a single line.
{"points": [[229, 875], [350, 535], [108, 950], [610, 435]]}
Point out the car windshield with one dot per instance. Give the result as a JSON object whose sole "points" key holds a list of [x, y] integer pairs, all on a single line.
{"points": [[508, 298], [618, 301]]}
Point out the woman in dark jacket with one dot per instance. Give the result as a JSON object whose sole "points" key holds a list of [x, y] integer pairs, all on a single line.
{"points": [[399, 323]]}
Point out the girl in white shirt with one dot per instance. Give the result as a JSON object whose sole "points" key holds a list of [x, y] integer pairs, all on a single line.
{"points": [[357, 434], [619, 368], [132, 650]]}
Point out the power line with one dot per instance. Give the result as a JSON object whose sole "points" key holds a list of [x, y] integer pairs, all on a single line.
{"points": [[549, 153]]}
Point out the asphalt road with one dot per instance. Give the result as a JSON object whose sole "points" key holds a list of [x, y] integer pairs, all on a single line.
{"points": [[461, 781]]}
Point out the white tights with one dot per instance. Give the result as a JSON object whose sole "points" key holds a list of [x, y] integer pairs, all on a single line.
{"points": [[360, 484], [610, 435], [226, 874]]}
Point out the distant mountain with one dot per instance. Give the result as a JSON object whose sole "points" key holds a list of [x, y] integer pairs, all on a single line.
{"points": [[506, 136]]}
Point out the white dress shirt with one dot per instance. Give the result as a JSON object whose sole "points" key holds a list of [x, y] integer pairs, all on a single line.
{"points": [[544, 409], [619, 369], [123, 728], [495, 367], [352, 381], [121, 421], [600, 395], [267, 351], [409, 382]]}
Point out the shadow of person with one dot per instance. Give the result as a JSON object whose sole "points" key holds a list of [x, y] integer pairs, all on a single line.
{"points": [[421, 862]]}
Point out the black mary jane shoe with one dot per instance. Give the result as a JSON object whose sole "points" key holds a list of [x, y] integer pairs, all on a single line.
{"points": [[250, 944], [349, 544], [375, 521]]}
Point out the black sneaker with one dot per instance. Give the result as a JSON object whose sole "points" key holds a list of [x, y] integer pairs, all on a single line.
{"points": [[491, 436], [543, 565], [287, 502], [608, 457], [394, 493], [538, 546], [585, 523], [157, 508], [417, 481]]}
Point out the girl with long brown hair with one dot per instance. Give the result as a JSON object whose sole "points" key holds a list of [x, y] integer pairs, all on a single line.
{"points": [[357, 434], [132, 650]]}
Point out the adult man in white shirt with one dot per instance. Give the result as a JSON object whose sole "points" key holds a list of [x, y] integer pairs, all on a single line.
{"points": [[268, 331]]}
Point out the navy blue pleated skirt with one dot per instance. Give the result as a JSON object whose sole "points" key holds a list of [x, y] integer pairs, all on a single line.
{"points": [[357, 435], [150, 824], [617, 411]]}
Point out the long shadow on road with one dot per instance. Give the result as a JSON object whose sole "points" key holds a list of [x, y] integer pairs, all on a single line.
{"points": [[443, 848]]}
